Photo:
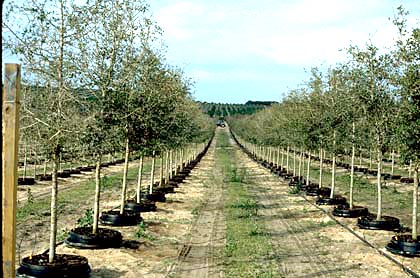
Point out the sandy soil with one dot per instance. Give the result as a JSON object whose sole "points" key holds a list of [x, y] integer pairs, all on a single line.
{"points": [[186, 235], [307, 243]]}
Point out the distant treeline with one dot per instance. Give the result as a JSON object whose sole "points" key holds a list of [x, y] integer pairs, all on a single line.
{"points": [[227, 109]]}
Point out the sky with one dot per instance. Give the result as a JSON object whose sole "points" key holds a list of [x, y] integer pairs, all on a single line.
{"points": [[236, 51]]}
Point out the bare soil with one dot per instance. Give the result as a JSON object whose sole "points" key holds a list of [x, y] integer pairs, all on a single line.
{"points": [[185, 237]]}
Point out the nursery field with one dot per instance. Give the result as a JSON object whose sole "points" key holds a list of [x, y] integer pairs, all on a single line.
{"points": [[112, 168], [230, 217]]}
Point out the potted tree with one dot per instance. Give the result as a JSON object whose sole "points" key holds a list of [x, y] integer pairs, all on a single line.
{"points": [[56, 112], [409, 126]]}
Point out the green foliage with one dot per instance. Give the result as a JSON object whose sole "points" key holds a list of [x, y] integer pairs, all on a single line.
{"points": [[238, 175], [86, 220], [216, 110], [142, 233]]}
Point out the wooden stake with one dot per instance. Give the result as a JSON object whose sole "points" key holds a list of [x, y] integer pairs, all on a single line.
{"points": [[11, 97]]}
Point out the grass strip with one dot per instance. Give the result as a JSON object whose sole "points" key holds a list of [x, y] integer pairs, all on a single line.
{"points": [[248, 250], [40, 207]]}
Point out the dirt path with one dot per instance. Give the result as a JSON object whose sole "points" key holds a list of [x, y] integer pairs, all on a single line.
{"points": [[200, 255], [306, 242]]}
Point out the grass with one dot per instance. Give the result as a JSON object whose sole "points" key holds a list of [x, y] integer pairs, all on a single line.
{"points": [[395, 203], [142, 233], [39, 208], [247, 251]]}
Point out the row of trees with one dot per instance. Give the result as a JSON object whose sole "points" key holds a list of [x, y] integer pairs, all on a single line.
{"points": [[225, 110], [370, 102], [96, 81]]}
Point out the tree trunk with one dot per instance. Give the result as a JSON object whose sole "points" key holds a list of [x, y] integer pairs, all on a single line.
{"points": [[410, 168], [415, 201], [392, 161], [176, 162], [152, 173], [379, 215], [360, 158], [60, 163], [54, 193], [181, 160], [161, 170], [97, 195], [45, 166], [309, 168], [320, 167], [171, 154], [300, 164], [287, 159], [25, 162], [282, 158], [333, 168], [294, 161], [35, 163], [139, 179], [167, 167], [352, 168], [278, 157], [124, 184]]}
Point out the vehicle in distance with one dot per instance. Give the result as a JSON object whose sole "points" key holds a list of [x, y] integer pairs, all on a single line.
{"points": [[221, 123]]}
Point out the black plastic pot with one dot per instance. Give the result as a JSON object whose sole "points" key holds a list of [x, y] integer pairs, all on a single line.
{"points": [[404, 245], [395, 177], [311, 190], [361, 169], [46, 177], [143, 206], [386, 176], [166, 189], [406, 180], [294, 181], [26, 181], [178, 178], [324, 191], [64, 174], [345, 211], [84, 168], [287, 176], [114, 218], [327, 201], [75, 171], [156, 197], [184, 173], [369, 222], [63, 266], [82, 237], [172, 183]]}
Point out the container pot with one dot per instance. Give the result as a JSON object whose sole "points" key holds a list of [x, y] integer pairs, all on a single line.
{"points": [[63, 266], [82, 237]]}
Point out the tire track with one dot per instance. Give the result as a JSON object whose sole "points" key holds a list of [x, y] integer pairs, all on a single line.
{"points": [[198, 257], [303, 244]]}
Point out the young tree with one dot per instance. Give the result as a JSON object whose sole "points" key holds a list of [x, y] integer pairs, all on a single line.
{"points": [[46, 44], [408, 56], [377, 102]]}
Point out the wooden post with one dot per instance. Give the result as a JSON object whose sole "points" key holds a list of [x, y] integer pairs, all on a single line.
{"points": [[10, 118]]}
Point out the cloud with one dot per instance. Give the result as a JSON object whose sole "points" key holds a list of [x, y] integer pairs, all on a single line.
{"points": [[243, 39]]}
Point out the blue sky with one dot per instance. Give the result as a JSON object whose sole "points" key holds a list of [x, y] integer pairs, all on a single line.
{"points": [[237, 51], [259, 50]]}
